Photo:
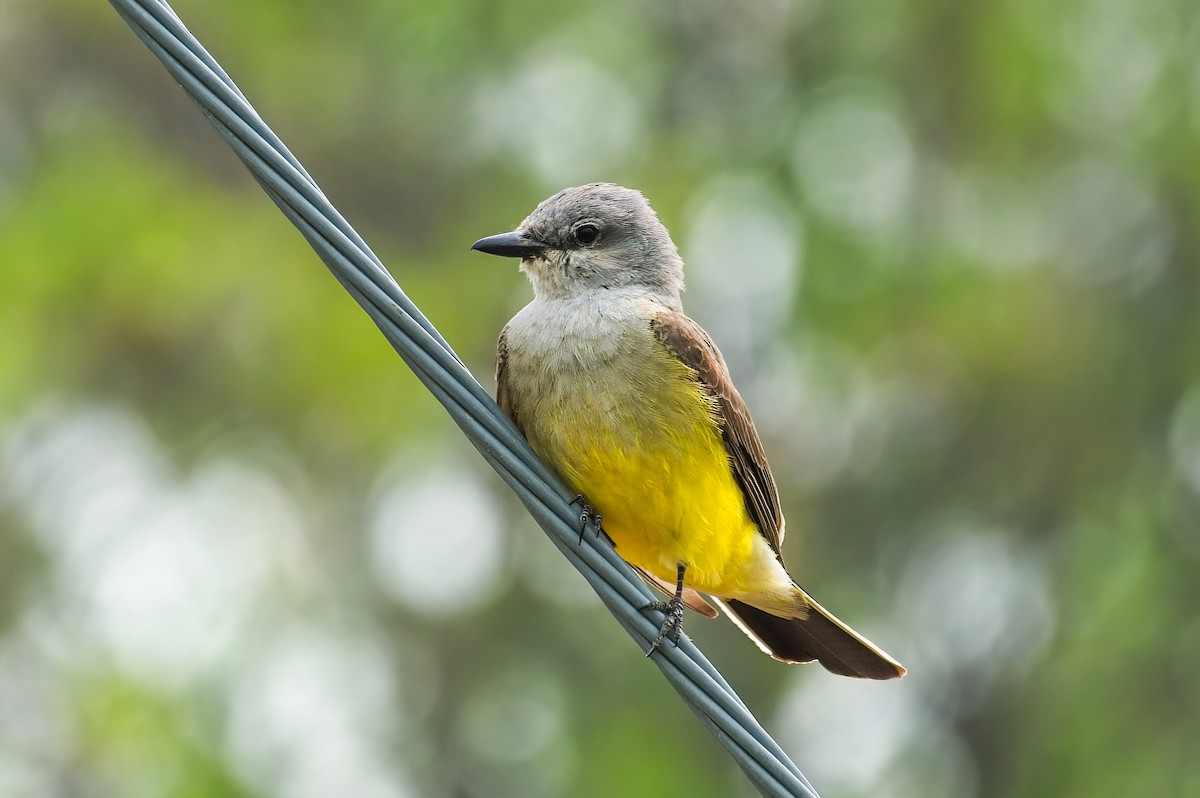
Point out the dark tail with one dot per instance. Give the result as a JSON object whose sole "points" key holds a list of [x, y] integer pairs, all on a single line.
{"points": [[818, 636]]}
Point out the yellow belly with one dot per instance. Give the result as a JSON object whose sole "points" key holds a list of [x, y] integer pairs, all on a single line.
{"points": [[661, 511], [649, 456]]}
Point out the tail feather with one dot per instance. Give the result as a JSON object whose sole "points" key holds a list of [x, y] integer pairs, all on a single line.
{"points": [[819, 636]]}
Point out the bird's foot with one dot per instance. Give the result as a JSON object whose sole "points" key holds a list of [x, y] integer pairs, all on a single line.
{"points": [[672, 626], [587, 515]]}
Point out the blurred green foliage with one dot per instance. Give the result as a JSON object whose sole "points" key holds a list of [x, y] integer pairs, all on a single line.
{"points": [[949, 249]]}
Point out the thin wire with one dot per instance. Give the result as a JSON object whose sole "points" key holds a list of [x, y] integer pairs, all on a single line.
{"points": [[426, 352]]}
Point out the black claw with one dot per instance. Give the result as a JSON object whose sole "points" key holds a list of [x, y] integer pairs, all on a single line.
{"points": [[672, 626], [584, 516], [587, 514]]}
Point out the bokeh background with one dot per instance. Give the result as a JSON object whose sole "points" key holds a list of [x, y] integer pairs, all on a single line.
{"points": [[949, 250]]}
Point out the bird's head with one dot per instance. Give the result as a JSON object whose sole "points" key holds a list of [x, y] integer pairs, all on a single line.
{"points": [[594, 237]]}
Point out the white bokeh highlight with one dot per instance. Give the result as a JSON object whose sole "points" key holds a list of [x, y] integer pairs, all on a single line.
{"points": [[977, 606], [183, 581], [312, 714], [161, 572], [565, 118], [854, 159], [512, 724], [744, 249], [994, 219], [1115, 53], [1108, 225], [436, 540], [1184, 439]]}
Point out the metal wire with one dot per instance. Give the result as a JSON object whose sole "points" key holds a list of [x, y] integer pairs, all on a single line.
{"points": [[437, 366]]}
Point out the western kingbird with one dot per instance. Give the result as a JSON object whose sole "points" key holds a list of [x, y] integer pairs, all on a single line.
{"points": [[629, 401]]}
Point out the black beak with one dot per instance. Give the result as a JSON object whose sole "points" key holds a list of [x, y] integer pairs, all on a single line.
{"points": [[510, 245]]}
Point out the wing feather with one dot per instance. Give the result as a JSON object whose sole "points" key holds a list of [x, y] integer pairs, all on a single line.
{"points": [[687, 341], [503, 395]]}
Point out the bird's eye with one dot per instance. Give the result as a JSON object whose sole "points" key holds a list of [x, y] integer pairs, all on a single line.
{"points": [[587, 234]]}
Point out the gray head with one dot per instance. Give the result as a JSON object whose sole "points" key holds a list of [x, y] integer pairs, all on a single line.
{"points": [[598, 236]]}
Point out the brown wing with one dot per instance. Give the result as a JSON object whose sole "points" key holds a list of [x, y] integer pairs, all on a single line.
{"points": [[503, 398], [686, 340]]}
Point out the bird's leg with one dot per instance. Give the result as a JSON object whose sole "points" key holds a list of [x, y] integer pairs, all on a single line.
{"points": [[587, 513], [673, 610]]}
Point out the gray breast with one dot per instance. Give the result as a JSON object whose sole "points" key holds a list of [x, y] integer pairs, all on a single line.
{"points": [[577, 365]]}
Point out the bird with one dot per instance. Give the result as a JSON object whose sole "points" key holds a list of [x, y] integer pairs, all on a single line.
{"points": [[631, 404]]}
